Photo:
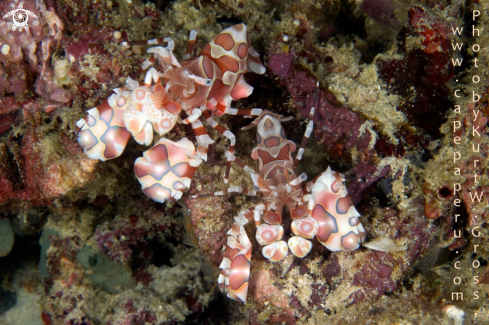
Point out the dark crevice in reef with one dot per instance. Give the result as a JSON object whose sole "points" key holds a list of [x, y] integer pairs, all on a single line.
{"points": [[9, 165], [347, 23], [446, 256], [161, 4], [383, 192], [26, 249], [216, 313], [466, 38], [373, 48], [8, 299], [481, 260], [462, 219], [162, 253], [427, 96], [467, 12], [229, 21], [265, 96]]}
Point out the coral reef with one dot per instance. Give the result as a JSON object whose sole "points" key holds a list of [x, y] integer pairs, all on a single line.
{"points": [[91, 248]]}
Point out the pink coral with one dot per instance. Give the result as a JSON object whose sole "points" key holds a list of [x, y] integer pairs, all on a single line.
{"points": [[365, 174], [383, 11], [36, 44], [41, 179], [128, 238], [334, 124], [426, 67], [265, 290]]}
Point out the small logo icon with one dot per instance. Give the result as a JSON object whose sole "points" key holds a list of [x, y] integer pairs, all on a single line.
{"points": [[20, 17]]}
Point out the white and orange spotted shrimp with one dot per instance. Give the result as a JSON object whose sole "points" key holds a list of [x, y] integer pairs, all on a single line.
{"points": [[321, 208], [203, 85]]}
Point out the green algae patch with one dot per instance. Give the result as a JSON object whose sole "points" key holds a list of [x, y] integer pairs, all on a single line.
{"points": [[102, 271], [7, 237]]}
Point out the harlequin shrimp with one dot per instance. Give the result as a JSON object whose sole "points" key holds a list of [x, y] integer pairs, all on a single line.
{"points": [[203, 85], [320, 208]]}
